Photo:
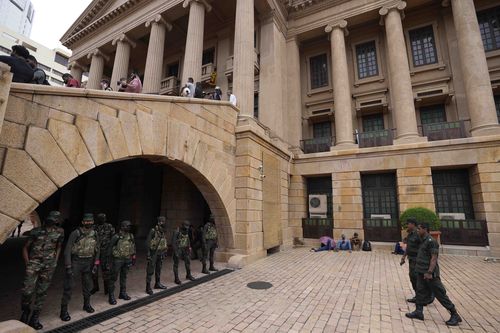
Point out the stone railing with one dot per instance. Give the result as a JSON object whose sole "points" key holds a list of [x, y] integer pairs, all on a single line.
{"points": [[230, 64], [206, 71], [169, 86], [5, 81]]}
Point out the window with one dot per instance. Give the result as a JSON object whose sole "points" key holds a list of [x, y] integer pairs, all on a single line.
{"points": [[452, 192], [56, 72], [366, 55], [256, 106], [489, 26], [319, 71], [29, 47], [497, 106], [30, 13], [59, 82], [173, 69], [61, 60], [45, 68], [322, 130], [5, 50], [432, 114], [373, 123], [322, 185], [208, 56], [423, 46]]}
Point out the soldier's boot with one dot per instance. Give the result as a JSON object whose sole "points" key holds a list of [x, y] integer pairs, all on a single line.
{"points": [[205, 270], [111, 299], [123, 295], [417, 314], [87, 307], [176, 274], [159, 285], [149, 291], [25, 315], [189, 276], [96, 285], [454, 319], [34, 321], [213, 269], [64, 315]]}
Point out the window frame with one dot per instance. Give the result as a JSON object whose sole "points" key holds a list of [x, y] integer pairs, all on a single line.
{"points": [[328, 87], [428, 107], [439, 64], [378, 115], [378, 49], [492, 53]]}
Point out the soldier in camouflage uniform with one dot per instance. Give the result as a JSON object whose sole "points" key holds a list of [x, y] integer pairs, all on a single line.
{"points": [[428, 281], [40, 254], [413, 243], [182, 250], [121, 254], [105, 231], [156, 243], [210, 243], [81, 257]]}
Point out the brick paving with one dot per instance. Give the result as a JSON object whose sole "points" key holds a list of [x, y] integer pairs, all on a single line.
{"points": [[322, 292]]}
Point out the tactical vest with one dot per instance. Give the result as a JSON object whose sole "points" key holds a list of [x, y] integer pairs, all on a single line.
{"points": [[86, 244], [183, 240], [211, 233], [105, 232], [44, 242], [124, 247], [158, 241]]}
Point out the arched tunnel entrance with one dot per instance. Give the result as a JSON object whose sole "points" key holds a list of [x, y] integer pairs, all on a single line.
{"points": [[139, 190]]}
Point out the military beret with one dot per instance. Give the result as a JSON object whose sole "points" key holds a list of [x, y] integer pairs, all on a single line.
{"points": [[88, 217]]}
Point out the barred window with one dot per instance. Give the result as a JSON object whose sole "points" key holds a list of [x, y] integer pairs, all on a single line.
{"points": [[366, 55], [432, 114], [423, 46], [497, 106], [322, 130], [61, 59], [374, 122], [452, 192], [319, 71], [489, 26]]}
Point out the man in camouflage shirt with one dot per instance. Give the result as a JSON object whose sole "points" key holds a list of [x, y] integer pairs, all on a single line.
{"points": [[40, 253], [210, 243], [156, 243], [121, 254], [413, 243], [105, 231], [428, 281], [81, 257], [182, 250]]}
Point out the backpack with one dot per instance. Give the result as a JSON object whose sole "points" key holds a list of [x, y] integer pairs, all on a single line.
{"points": [[367, 246], [198, 92]]}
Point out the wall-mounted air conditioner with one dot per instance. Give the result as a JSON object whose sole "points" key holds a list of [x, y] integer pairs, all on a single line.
{"points": [[318, 205], [452, 216], [381, 216]]}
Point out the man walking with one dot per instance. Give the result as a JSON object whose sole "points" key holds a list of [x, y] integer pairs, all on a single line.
{"points": [[156, 244], [412, 245], [428, 281], [182, 249], [81, 257], [105, 232]]}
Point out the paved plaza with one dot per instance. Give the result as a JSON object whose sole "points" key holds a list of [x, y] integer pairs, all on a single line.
{"points": [[322, 292]]}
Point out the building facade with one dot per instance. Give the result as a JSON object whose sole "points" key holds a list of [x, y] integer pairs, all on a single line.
{"points": [[350, 112], [17, 15], [53, 62]]}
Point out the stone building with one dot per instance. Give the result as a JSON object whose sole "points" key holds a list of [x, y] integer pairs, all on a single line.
{"points": [[348, 113]]}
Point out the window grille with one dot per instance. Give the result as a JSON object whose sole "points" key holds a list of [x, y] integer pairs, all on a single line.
{"points": [[452, 192], [319, 71], [432, 114], [366, 55], [489, 27], [322, 130], [373, 122], [423, 46]]}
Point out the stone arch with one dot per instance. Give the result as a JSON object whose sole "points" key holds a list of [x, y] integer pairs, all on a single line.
{"points": [[50, 136]]}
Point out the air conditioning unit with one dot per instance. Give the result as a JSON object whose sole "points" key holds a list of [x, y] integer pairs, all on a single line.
{"points": [[381, 216], [318, 205], [452, 216]]}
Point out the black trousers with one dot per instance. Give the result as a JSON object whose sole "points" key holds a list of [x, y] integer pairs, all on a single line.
{"points": [[121, 267], [426, 288], [82, 267], [154, 266], [412, 262], [184, 255], [209, 251]]}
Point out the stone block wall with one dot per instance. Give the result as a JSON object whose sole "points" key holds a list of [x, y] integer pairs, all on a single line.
{"points": [[347, 204], [297, 203], [415, 188]]}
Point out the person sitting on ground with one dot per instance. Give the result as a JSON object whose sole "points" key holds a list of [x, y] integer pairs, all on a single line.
{"points": [[356, 242], [17, 61], [39, 76], [69, 81], [326, 244], [191, 87], [400, 247], [105, 85], [343, 244]]}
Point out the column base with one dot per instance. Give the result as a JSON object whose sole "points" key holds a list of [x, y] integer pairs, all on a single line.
{"points": [[344, 146], [409, 139], [493, 129], [237, 261]]}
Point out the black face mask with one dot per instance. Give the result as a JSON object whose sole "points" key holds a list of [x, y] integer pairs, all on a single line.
{"points": [[49, 223]]}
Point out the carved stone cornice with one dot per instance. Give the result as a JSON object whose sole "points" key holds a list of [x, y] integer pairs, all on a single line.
{"points": [[98, 53], [123, 38], [160, 20], [397, 5], [186, 3], [340, 24]]}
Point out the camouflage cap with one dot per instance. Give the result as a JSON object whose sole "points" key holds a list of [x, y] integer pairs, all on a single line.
{"points": [[101, 216], [54, 215], [88, 217]]}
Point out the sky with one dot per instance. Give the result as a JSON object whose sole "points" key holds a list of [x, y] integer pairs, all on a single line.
{"points": [[53, 18]]}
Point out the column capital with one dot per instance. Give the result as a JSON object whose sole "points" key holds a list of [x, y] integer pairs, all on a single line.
{"points": [[75, 64], [98, 52], [340, 24], [207, 6], [397, 5], [123, 38], [160, 20]]}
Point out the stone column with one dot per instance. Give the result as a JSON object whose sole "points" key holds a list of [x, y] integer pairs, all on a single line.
{"points": [[341, 85], [294, 112], [403, 106], [76, 70], [223, 53], [154, 60], [96, 69], [243, 69], [474, 67], [194, 40], [122, 58]]}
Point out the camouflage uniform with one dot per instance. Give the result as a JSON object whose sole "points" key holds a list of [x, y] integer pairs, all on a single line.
{"points": [[413, 243], [157, 246], [104, 231], [209, 241], [181, 247], [122, 255]]}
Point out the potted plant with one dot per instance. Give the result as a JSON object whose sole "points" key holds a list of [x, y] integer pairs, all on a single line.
{"points": [[422, 214]]}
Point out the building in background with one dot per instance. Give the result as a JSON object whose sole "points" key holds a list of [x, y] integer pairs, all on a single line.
{"points": [[17, 15], [53, 62]]}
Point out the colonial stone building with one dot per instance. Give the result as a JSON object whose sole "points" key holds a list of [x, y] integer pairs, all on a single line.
{"points": [[348, 113]]}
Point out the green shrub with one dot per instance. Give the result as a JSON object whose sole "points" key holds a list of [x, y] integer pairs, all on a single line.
{"points": [[421, 214]]}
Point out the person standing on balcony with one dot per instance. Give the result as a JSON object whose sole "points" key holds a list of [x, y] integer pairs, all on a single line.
{"points": [[105, 85], [198, 90], [232, 98], [69, 81], [217, 94], [17, 61], [191, 87], [134, 85]]}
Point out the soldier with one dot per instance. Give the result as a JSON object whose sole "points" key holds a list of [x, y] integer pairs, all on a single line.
{"points": [[40, 254], [210, 243], [121, 254], [181, 247], [413, 243], [156, 243], [428, 281], [104, 231], [81, 257]]}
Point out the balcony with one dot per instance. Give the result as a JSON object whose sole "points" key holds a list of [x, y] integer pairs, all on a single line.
{"points": [[316, 145], [375, 138], [230, 64], [444, 131], [464, 232], [206, 72], [317, 227], [169, 86]]}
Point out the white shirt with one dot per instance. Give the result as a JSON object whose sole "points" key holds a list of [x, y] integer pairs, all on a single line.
{"points": [[232, 99]]}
